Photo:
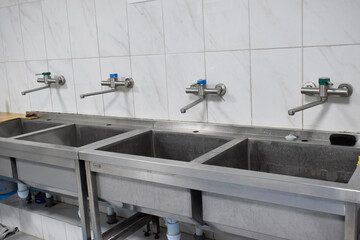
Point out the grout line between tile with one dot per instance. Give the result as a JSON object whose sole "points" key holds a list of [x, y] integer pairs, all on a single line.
{"points": [[98, 45], [165, 57], [130, 56], [72, 59], [250, 69]]}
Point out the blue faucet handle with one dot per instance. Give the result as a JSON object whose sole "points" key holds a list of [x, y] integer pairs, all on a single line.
{"points": [[113, 75], [201, 81]]}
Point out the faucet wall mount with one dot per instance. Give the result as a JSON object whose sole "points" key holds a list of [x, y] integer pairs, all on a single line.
{"points": [[201, 90], [324, 91], [48, 80], [114, 83]]}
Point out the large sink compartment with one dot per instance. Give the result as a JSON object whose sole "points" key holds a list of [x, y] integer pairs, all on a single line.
{"points": [[19, 126], [75, 135], [167, 145], [323, 162]]}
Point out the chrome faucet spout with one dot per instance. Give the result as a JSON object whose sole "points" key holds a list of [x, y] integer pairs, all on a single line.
{"points": [[97, 93], [187, 107], [34, 89], [292, 112]]}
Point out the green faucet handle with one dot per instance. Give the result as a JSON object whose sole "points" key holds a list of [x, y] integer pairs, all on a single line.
{"points": [[324, 81], [46, 73]]}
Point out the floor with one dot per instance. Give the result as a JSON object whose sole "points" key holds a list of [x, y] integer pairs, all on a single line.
{"points": [[136, 236]]}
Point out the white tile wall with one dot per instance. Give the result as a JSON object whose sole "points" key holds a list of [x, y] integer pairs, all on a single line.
{"points": [[254, 46], [4, 90], [146, 28], [10, 216], [10, 30], [31, 223], [182, 71], [226, 24], [39, 100], [63, 97], [88, 79], [32, 31], [83, 29], [183, 24], [232, 69], [341, 64], [113, 34], [53, 229], [329, 22], [276, 83], [120, 103], [275, 23], [17, 82], [56, 29], [150, 90]]}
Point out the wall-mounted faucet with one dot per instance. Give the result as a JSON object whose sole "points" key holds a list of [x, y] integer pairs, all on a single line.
{"points": [[114, 83], [201, 90], [324, 91], [48, 80]]}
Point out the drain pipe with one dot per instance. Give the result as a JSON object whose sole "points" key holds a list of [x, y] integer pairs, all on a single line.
{"points": [[199, 234], [23, 190], [173, 229], [111, 215]]}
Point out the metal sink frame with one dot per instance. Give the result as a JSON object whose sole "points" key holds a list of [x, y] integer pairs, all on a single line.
{"points": [[203, 190]]}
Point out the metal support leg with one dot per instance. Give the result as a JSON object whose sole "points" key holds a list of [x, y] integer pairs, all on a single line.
{"points": [[156, 224], [82, 196], [94, 203], [351, 222]]}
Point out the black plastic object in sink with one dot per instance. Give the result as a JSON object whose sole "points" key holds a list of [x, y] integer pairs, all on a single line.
{"points": [[167, 145], [324, 162], [75, 135], [17, 127]]}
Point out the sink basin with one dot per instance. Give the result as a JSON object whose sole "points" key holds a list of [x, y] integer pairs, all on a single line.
{"points": [[75, 135], [21, 126], [323, 162], [167, 145]]}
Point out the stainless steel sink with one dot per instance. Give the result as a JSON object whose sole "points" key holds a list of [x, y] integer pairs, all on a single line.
{"points": [[22, 126], [167, 145], [74, 135], [316, 161]]}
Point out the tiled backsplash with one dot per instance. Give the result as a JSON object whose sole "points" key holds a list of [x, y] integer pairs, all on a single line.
{"points": [[263, 50]]}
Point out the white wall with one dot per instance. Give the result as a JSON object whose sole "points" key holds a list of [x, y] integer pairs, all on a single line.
{"points": [[263, 50]]}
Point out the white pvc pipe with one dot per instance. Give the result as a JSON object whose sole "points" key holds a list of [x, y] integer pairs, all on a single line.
{"points": [[173, 229], [23, 190], [199, 232], [110, 211]]}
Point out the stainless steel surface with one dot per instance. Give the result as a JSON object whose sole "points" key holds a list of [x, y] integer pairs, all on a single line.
{"points": [[167, 145], [324, 91], [315, 161], [124, 229], [201, 90], [97, 93], [187, 107], [306, 106], [22, 126], [114, 83], [48, 80], [247, 176]]}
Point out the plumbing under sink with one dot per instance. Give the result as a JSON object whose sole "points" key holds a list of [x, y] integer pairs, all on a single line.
{"points": [[167, 145], [323, 162], [22, 126], [74, 135]]}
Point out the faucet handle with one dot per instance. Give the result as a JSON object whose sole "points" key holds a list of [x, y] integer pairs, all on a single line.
{"points": [[43, 74], [113, 75], [201, 82], [324, 81]]}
